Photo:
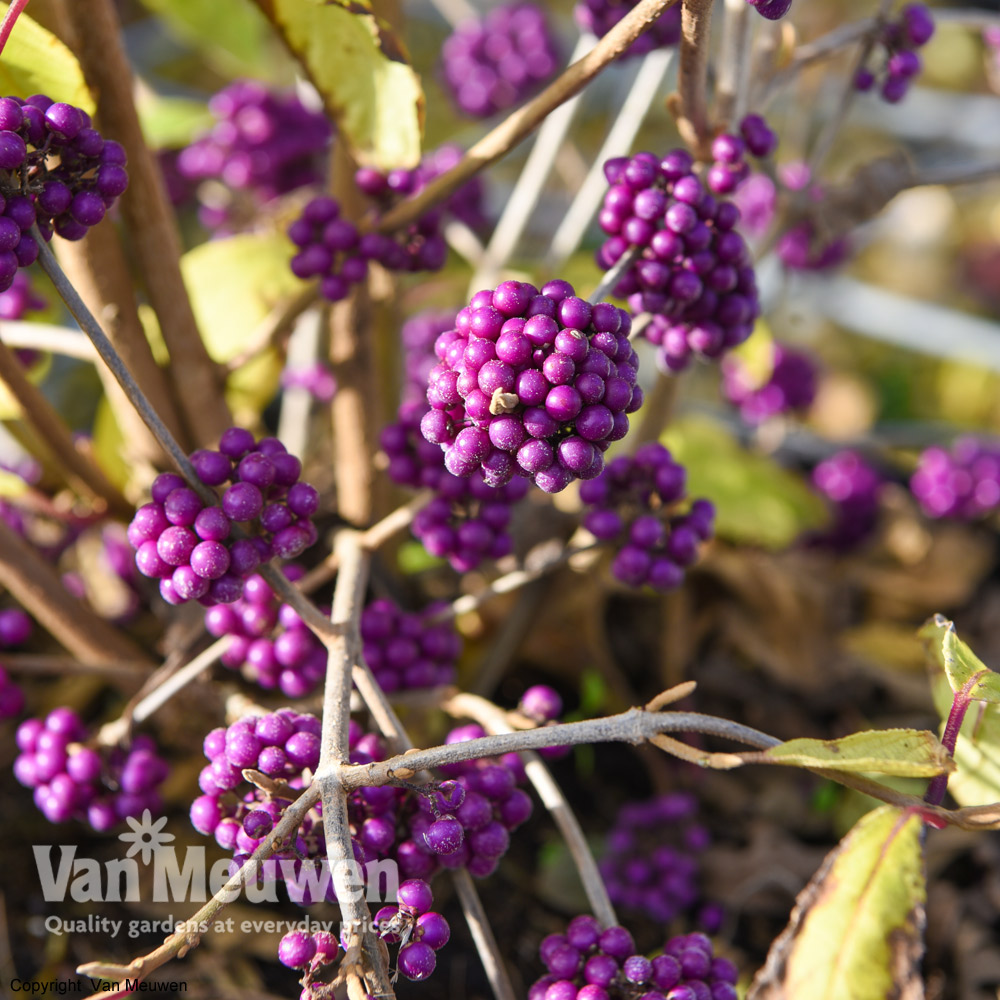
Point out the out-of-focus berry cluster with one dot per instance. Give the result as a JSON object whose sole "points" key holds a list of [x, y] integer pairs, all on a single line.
{"points": [[852, 487], [962, 482], [790, 386], [600, 16], [899, 61]]}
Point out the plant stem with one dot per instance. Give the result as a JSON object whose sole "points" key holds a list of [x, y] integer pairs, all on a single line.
{"points": [[733, 63], [483, 937], [621, 135], [64, 666], [692, 122], [157, 698], [612, 276], [949, 738], [155, 240], [522, 122], [494, 720], [10, 19], [111, 358], [76, 466], [48, 337], [524, 197]]}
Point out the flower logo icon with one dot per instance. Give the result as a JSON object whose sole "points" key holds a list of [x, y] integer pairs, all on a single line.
{"points": [[146, 837]]}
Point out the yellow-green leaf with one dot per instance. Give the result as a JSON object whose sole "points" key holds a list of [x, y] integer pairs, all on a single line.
{"points": [[856, 932], [757, 502], [11, 485], [908, 753], [756, 355], [964, 670], [361, 71], [36, 62], [171, 122]]}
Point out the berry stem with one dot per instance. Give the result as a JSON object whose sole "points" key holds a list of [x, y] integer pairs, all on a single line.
{"points": [[696, 27], [118, 368], [79, 467], [959, 706], [530, 182], [494, 720], [10, 19], [733, 63], [522, 122], [644, 90]]}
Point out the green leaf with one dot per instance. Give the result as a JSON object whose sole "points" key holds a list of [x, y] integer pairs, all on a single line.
{"points": [[757, 502], [856, 932], [231, 35], [413, 558], [910, 753], [362, 73], [234, 283], [36, 62], [171, 122], [964, 670], [756, 355]]}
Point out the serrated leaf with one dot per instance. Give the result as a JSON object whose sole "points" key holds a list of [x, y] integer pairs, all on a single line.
{"points": [[908, 753], [36, 62], [757, 502], [964, 670], [231, 34], [361, 71], [856, 932]]}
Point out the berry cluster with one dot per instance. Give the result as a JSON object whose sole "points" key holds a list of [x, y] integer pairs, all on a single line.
{"points": [[532, 383], [269, 643], [285, 746], [491, 64], [898, 44], [963, 483], [299, 950], [73, 781], [634, 504], [693, 271], [791, 384], [56, 171], [20, 298], [316, 379], [417, 337], [600, 16], [263, 144], [408, 650], [466, 520], [730, 169], [186, 545], [587, 963], [852, 488], [412, 921], [650, 864]]}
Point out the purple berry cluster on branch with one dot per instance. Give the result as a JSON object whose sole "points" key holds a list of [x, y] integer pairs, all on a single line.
{"points": [[466, 520], [693, 272], [263, 143], [650, 863], [270, 644], [600, 16], [310, 953], [588, 963], [56, 171], [534, 384], [491, 63], [790, 385], [851, 486], [187, 545], [961, 483], [422, 931], [729, 168], [898, 43], [417, 338], [72, 780], [407, 650], [634, 504]]}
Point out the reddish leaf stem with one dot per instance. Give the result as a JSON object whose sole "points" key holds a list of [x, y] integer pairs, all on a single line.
{"points": [[9, 20]]}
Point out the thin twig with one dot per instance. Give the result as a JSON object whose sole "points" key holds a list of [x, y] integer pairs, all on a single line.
{"points": [[692, 84], [24, 334], [627, 122], [522, 122], [531, 180], [494, 720], [33, 663], [483, 937], [613, 275], [157, 698], [733, 63]]}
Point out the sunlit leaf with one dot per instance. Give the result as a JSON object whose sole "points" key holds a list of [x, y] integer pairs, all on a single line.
{"points": [[856, 932], [910, 753], [362, 73], [36, 62], [757, 502], [11, 485], [756, 355], [964, 670], [171, 122]]}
